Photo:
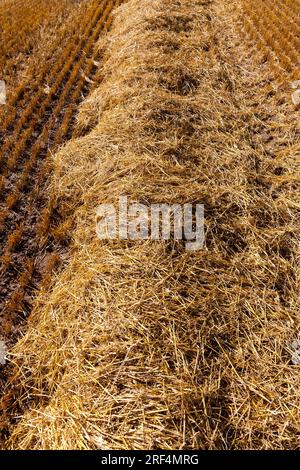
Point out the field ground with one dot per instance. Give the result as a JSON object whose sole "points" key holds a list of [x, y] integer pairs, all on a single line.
{"points": [[142, 345], [49, 62]]}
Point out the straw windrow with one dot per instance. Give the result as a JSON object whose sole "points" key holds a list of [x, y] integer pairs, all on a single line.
{"points": [[142, 345]]}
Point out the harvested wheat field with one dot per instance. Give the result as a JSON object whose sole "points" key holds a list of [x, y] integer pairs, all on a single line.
{"points": [[142, 344]]}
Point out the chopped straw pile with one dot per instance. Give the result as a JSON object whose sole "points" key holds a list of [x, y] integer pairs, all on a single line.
{"points": [[142, 344]]}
